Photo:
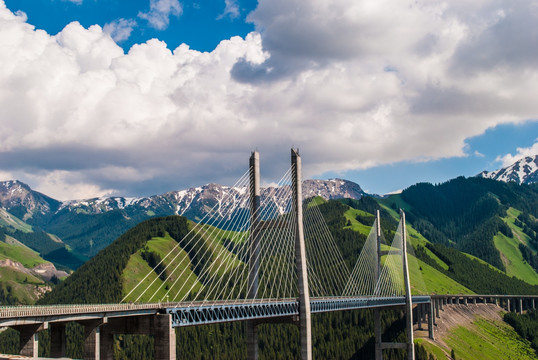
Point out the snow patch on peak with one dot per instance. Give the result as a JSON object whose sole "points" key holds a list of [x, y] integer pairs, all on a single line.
{"points": [[523, 171]]}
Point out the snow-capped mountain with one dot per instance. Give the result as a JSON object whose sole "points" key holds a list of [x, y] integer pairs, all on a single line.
{"points": [[91, 224], [524, 171], [195, 202], [20, 200]]}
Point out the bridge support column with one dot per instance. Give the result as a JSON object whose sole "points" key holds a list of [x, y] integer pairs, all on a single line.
{"points": [[533, 304], [441, 301], [474, 301], [430, 322], [465, 301], [437, 308], [254, 259], [57, 340], [378, 334], [419, 316], [98, 343], [164, 337], [305, 325], [28, 339], [520, 305], [508, 308]]}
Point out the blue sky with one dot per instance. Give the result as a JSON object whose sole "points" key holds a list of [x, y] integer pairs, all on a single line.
{"points": [[201, 25], [100, 97]]}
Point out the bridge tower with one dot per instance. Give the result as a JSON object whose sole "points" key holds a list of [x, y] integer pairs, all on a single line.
{"points": [[408, 302], [377, 315], [305, 327], [379, 345], [254, 256]]}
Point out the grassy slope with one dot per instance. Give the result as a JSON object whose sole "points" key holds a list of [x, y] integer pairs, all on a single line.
{"points": [[487, 339], [8, 220], [512, 214], [225, 259], [510, 254], [22, 285], [27, 257], [351, 215], [137, 269]]}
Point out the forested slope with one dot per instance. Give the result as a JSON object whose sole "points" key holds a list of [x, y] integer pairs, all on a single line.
{"points": [[467, 213]]}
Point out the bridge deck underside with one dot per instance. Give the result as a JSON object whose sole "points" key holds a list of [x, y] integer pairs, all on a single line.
{"points": [[212, 314]]}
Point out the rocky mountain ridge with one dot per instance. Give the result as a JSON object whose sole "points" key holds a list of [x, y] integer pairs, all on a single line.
{"points": [[86, 226], [16, 196], [524, 171]]}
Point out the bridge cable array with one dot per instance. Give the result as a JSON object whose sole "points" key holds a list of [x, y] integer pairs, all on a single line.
{"points": [[213, 261]]}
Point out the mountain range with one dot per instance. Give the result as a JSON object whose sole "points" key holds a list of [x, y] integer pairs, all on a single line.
{"points": [[86, 226]]}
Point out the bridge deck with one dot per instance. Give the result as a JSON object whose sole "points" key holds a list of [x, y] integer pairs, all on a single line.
{"points": [[193, 313]]}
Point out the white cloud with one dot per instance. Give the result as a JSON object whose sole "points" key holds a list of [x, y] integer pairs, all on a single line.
{"points": [[509, 159], [351, 84], [231, 10], [160, 12], [120, 29]]}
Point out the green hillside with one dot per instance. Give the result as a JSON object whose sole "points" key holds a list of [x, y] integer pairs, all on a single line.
{"points": [[481, 338], [18, 287], [137, 268], [466, 213], [11, 221], [26, 256], [83, 286], [17, 284]]}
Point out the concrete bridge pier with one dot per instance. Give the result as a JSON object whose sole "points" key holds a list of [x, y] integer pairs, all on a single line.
{"points": [[520, 305], [57, 340], [98, 344], [420, 312], [431, 321], [508, 305], [29, 340]]}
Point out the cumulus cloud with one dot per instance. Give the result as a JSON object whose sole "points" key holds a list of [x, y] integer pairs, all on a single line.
{"points": [[348, 82], [120, 29], [160, 11], [509, 159]]}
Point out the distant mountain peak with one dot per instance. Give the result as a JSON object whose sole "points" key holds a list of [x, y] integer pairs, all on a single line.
{"points": [[523, 171], [19, 199]]}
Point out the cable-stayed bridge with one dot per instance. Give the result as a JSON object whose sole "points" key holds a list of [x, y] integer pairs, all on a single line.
{"points": [[253, 259]]}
